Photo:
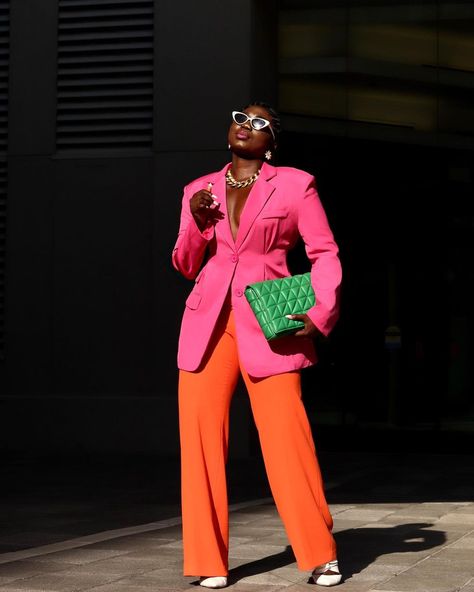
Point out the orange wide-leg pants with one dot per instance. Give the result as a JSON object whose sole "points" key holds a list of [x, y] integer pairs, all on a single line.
{"points": [[288, 452]]}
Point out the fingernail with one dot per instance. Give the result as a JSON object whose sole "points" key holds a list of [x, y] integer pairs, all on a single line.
{"points": [[289, 316]]}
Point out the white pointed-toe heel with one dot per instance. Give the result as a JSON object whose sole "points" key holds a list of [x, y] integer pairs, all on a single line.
{"points": [[213, 582], [327, 574]]}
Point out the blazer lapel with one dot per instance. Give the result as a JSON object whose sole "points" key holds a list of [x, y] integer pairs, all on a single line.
{"points": [[219, 189], [257, 198]]}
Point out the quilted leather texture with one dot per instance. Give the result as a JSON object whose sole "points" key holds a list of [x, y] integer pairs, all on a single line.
{"points": [[272, 300]]}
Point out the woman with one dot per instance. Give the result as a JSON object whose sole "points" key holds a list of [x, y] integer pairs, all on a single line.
{"points": [[242, 221]]}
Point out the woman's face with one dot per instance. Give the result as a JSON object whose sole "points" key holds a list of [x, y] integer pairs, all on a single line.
{"points": [[248, 142]]}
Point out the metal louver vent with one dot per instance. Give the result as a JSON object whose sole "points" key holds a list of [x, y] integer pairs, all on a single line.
{"points": [[105, 75], [4, 69]]}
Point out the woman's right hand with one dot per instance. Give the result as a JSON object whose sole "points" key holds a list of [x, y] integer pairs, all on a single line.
{"points": [[201, 209]]}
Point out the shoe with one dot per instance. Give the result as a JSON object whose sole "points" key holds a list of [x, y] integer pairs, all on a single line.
{"points": [[213, 582], [327, 574]]}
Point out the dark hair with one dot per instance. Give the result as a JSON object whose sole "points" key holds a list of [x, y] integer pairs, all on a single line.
{"points": [[276, 121]]}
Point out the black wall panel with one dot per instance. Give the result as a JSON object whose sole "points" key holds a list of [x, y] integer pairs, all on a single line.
{"points": [[4, 80], [115, 105]]}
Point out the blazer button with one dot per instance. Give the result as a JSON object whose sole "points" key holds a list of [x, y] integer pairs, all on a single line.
{"points": [[234, 258], [238, 292]]}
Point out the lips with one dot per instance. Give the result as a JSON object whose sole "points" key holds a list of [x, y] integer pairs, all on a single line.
{"points": [[241, 135]]}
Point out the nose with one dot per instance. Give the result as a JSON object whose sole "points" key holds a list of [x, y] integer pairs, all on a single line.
{"points": [[246, 124]]}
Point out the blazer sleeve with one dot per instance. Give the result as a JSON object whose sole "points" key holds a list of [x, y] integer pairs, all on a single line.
{"points": [[188, 252], [322, 251]]}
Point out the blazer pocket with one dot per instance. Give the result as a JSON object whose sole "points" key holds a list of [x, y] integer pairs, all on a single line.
{"points": [[193, 300], [274, 214]]}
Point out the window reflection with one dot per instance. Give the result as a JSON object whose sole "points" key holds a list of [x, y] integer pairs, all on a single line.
{"points": [[405, 65]]}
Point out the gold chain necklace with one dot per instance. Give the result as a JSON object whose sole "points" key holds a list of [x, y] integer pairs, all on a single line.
{"points": [[229, 179]]}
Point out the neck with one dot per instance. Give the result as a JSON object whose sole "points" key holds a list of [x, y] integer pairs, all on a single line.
{"points": [[242, 168]]}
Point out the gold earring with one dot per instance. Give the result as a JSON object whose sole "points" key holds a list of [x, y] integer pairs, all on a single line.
{"points": [[268, 154]]}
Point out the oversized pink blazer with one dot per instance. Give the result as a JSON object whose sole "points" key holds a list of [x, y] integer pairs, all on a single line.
{"points": [[282, 204]]}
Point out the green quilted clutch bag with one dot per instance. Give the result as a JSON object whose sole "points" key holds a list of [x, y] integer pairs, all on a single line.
{"points": [[272, 300]]}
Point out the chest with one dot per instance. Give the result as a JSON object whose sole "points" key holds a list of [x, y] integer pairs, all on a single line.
{"points": [[236, 200]]}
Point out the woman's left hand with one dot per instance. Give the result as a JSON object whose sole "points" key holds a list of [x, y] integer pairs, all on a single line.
{"points": [[310, 329]]}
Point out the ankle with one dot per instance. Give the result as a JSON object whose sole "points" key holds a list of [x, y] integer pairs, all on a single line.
{"points": [[333, 564]]}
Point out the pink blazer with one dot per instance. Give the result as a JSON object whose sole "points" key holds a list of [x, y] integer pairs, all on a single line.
{"points": [[282, 205]]}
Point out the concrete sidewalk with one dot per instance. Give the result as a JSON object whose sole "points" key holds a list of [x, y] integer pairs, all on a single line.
{"points": [[402, 523]]}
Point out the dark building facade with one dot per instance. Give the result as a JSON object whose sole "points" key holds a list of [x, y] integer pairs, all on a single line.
{"points": [[108, 107]]}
